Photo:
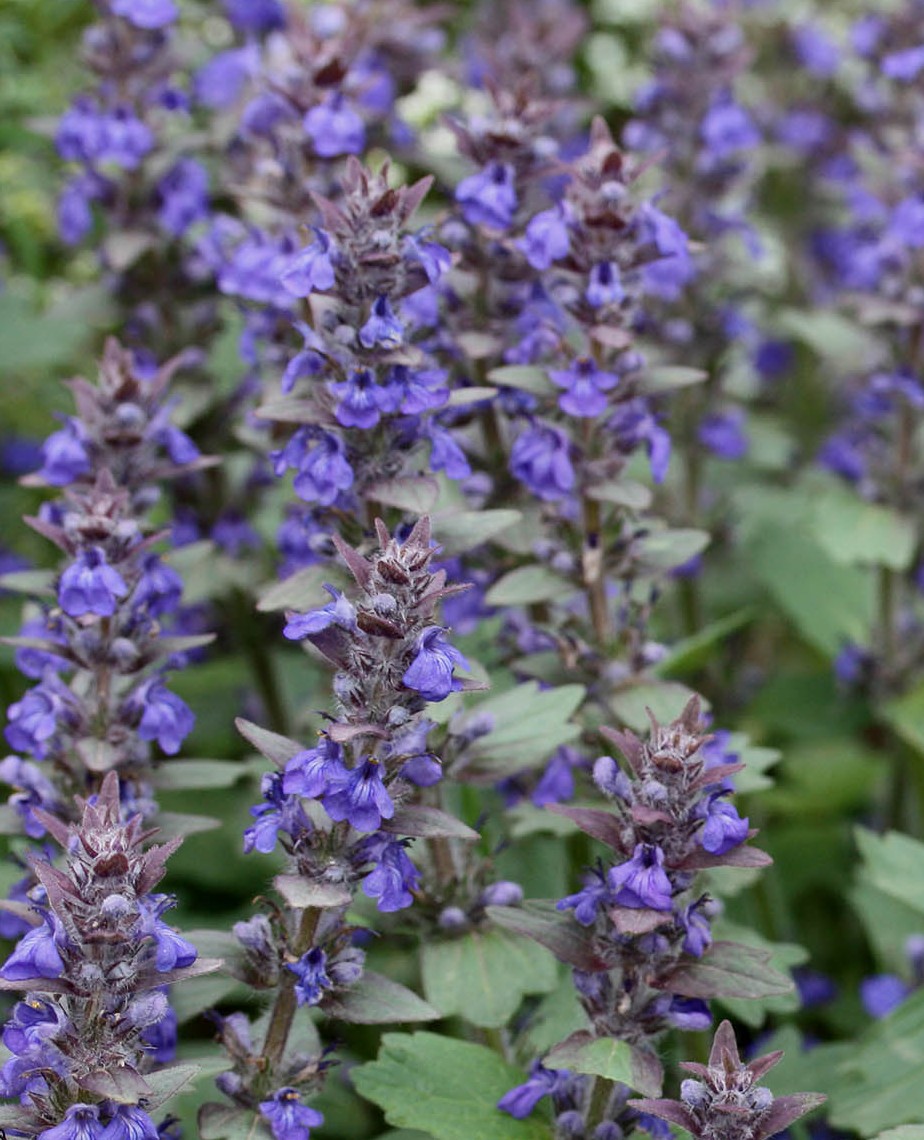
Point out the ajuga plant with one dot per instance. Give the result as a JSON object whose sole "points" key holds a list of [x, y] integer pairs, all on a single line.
{"points": [[640, 942], [725, 1100], [690, 119], [137, 176], [108, 625], [84, 1040], [345, 811]]}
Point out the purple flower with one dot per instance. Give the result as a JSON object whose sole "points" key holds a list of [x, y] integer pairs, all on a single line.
{"points": [[64, 455], [91, 586], [311, 269], [324, 471], [36, 954], [220, 82], [75, 218], [586, 903], [502, 893], [728, 128], [130, 1123], [360, 797], [546, 238], [335, 128], [34, 719], [904, 65], [446, 454], [540, 459], [312, 772], [81, 1122], [382, 328], [632, 425], [556, 783], [313, 979], [489, 198], [393, 878], [815, 51], [604, 286], [183, 192], [339, 612], [723, 434], [430, 673], [165, 717], [689, 1013], [420, 389], [695, 923], [906, 225], [519, 1102], [359, 399], [883, 993], [146, 14], [642, 881], [160, 1038], [585, 386], [434, 258], [287, 1117], [34, 790], [724, 828], [159, 588], [171, 951]]}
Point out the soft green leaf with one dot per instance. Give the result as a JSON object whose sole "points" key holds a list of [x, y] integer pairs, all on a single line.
{"points": [[665, 699], [691, 653], [301, 591], [524, 377], [894, 864], [669, 377], [461, 397], [606, 1057], [729, 970], [623, 492], [184, 775], [223, 1122], [906, 715], [483, 975], [445, 1087], [299, 892], [415, 494], [461, 531], [528, 584], [668, 549], [782, 957], [279, 750], [377, 1000], [529, 724], [855, 532]]}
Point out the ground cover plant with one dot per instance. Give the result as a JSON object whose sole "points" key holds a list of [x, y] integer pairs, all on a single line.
{"points": [[464, 648]]}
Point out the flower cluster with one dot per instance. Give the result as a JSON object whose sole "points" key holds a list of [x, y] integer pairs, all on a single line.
{"points": [[95, 964], [97, 650], [727, 1102], [672, 816]]}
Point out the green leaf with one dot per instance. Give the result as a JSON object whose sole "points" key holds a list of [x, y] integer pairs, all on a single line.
{"points": [[609, 1058], [906, 715], [782, 957], [878, 1083], [623, 492], [483, 975], [558, 932], [894, 864], [529, 724], [857, 533], [301, 591], [415, 494], [461, 531], [691, 653], [299, 892], [668, 549], [445, 1087], [185, 775], [279, 750], [528, 584], [32, 582], [460, 397], [222, 1122], [377, 1000], [669, 377], [666, 699], [828, 602], [729, 969], [523, 377], [421, 822], [173, 823], [167, 1082], [903, 1132]]}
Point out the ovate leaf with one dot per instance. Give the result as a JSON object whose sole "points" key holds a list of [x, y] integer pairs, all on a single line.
{"points": [[445, 1087], [484, 974]]}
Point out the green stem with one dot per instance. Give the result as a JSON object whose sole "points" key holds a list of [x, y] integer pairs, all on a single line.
{"points": [[601, 1092], [277, 1033], [262, 666]]}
